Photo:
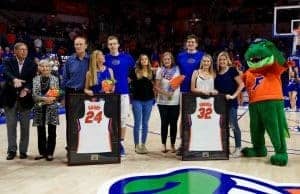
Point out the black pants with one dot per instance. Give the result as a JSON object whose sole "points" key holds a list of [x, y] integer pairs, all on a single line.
{"points": [[46, 145], [69, 135], [169, 116]]}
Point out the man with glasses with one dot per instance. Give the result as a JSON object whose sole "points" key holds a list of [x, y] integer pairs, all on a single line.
{"points": [[17, 98]]}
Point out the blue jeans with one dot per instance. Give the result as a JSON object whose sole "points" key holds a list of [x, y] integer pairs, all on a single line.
{"points": [[235, 126], [141, 114]]}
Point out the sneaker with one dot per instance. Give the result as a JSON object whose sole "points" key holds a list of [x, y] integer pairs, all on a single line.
{"points": [[122, 150], [236, 153], [296, 129], [143, 149], [138, 149]]}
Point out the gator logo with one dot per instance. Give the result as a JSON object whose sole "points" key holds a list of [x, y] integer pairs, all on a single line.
{"points": [[195, 181], [191, 60], [258, 80], [115, 62]]}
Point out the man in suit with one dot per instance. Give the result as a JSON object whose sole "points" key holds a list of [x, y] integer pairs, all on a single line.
{"points": [[17, 98]]}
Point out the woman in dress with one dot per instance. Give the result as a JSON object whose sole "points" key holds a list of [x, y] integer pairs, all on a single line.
{"points": [[98, 73]]}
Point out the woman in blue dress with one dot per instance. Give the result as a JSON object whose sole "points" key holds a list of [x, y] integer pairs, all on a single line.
{"points": [[97, 73]]}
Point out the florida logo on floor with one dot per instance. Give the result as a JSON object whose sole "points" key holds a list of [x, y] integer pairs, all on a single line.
{"points": [[194, 181]]}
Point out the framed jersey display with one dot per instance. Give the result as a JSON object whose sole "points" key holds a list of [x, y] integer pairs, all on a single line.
{"points": [[93, 129], [205, 127]]}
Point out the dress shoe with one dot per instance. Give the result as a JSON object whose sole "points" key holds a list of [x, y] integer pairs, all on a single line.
{"points": [[39, 157], [11, 155], [23, 155]]}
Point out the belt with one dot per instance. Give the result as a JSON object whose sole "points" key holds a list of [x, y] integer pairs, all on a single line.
{"points": [[74, 90]]}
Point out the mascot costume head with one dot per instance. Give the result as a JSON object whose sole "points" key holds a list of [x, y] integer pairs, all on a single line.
{"points": [[262, 81]]}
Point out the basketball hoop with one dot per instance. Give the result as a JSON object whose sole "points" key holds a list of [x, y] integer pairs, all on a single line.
{"points": [[296, 41]]}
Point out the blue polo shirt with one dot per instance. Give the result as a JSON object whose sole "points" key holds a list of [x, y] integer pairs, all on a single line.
{"points": [[121, 66], [187, 63], [74, 72]]}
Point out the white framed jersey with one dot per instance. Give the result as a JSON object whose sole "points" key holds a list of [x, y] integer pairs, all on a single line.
{"points": [[93, 129], [205, 130]]}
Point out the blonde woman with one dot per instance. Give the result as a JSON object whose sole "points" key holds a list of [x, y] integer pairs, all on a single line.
{"points": [[228, 81], [167, 99], [97, 72], [141, 80], [203, 78]]}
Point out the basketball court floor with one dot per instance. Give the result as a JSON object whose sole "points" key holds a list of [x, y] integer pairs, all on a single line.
{"points": [[43, 177]]}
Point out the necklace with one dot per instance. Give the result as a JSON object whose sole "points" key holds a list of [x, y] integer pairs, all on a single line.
{"points": [[101, 68], [45, 83]]}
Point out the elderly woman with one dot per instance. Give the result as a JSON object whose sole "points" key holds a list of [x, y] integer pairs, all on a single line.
{"points": [[45, 110]]}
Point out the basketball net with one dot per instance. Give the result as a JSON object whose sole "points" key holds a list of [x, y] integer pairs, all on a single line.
{"points": [[296, 41]]}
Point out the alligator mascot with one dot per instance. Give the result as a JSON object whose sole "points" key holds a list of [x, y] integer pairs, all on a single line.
{"points": [[262, 81]]}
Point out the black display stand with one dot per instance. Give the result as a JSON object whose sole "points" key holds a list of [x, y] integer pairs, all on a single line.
{"points": [[207, 113], [76, 111]]}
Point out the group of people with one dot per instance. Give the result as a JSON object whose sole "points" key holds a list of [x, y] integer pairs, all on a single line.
{"points": [[135, 81], [200, 77], [24, 90]]}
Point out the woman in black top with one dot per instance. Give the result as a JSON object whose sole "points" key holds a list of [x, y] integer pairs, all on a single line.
{"points": [[143, 95]]}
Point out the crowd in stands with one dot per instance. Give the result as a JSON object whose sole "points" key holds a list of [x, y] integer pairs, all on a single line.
{"points": [[141, 28]]}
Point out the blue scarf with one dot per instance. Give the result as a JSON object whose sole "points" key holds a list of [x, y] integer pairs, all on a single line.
{"points": [[168, 73]]}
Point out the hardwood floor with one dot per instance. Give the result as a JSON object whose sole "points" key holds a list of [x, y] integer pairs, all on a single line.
{"points": [[44, 177]]}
